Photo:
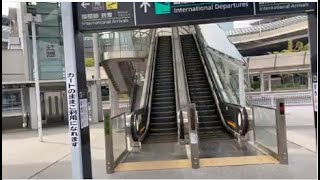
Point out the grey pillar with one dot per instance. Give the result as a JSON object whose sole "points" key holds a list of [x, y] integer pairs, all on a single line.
{"points": [[309, 81], [261, 82], [114, 101], [242, 94], [33, 108], [269, 82], [96, 100]]}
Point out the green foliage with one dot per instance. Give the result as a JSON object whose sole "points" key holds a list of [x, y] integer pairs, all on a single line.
{"points": [[299, 46], [305, 47], [89, 62], [290, 46], [255, 84]]}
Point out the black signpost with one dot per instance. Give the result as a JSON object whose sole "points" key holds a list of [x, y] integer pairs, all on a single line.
{"points": [[312, 20], [99, 16]]}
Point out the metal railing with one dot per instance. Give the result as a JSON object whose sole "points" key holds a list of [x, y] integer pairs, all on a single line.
{"points": [[291, 99], [267, 26]]}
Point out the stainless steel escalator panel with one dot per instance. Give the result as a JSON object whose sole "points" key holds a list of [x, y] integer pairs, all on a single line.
{"points": [[158, 152], [226, 148]]}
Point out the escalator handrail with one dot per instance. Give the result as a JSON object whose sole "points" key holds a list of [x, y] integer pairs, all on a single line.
{"points": [[144, 109], [181, 126], [186, 127], [150, 92], [177, 98], [217, 95]]}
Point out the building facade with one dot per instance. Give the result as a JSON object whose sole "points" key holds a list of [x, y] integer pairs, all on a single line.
{"points": [[18, 88]]}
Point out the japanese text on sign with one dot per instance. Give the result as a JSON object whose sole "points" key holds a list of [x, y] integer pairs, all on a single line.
{"points": [[72, 109]]}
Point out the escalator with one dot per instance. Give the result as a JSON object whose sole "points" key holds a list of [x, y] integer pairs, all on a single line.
{"points": [[163, 124], [210, 123]]}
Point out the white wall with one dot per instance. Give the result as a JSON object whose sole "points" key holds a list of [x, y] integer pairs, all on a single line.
{"points": [[217, 39], [12, 65]]}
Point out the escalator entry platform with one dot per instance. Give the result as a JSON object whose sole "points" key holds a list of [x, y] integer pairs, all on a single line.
{"points": [[214, 153]]}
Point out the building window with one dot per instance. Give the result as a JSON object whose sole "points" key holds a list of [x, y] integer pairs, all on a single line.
{"points": [[11, 100], [105, 93], [49, 40], [289, 81]]}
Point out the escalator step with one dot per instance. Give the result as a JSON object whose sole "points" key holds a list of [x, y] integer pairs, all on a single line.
{"points": [[208, 118], [164, 125], [163, 119], [161, 109], [207, 112], [210, 125], [163, 114]]}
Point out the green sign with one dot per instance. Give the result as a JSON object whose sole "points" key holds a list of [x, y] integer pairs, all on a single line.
{"points": [[162, 8]]}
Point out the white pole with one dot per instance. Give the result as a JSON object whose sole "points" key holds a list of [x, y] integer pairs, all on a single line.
{"points": [[36, 78], [97, 112], [71, 68]]}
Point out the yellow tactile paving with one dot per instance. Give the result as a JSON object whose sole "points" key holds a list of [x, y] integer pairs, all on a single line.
{"points": [[186, 163]]}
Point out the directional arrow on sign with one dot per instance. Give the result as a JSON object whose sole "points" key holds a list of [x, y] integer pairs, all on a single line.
{"points": [[84, 5], [145, 6]]}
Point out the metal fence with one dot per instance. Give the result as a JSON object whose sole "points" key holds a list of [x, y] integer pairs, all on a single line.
{"points": [[291, 99]]}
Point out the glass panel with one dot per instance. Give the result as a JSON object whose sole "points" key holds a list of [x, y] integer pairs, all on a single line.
{"points": [[265, 127], [105, 93], [121, 42], [11, 101], [118, 135], [49, 41], [48, 31]]}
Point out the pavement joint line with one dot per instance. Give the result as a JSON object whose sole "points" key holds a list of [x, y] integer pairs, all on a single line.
{"points": [[49, 166], [60, 143], [302, 146]]}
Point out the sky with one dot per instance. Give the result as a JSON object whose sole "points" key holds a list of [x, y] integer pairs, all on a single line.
{"points": [[7, 4]]}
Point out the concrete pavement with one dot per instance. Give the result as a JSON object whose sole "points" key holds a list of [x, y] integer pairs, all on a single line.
{"points": [[23, 156]]}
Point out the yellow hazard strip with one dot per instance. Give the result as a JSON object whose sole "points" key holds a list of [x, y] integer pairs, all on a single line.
{"points": [[186, 163], [235, 161], [153, 165]]}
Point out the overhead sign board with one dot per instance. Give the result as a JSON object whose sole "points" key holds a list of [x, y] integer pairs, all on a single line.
{"points": [[105, 15], [119, 15], [175, 12], [282, 7]]}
